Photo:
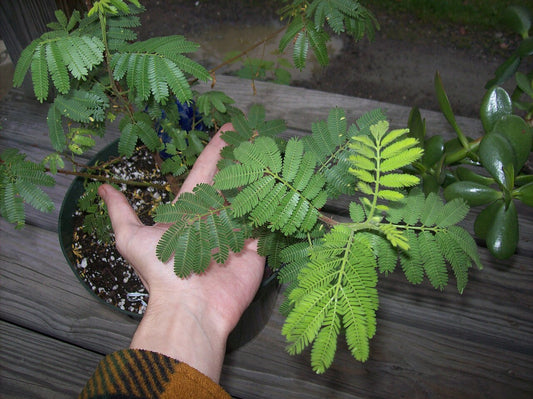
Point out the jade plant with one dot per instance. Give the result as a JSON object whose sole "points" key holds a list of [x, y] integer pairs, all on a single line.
{"points": [[494, 170], [266, 187]]}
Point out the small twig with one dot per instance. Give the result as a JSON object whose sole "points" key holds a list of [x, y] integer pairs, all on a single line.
{"points": [[112, 179], [242, 53], [326, 219]]}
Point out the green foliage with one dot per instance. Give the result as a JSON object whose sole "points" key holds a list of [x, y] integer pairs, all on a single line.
{"points": [[275, 189], [96, 220], [56, 54], [202, 230], [278, 188], [216, 108], [280, 192], [336, 288], [157, 67], [307, 26], [19, 184], [87, 108], [377, 157], [502, 152], [261, 69], [434, 238]]}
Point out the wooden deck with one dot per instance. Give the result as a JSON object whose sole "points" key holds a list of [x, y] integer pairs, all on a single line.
{"points": [[429, 344]]}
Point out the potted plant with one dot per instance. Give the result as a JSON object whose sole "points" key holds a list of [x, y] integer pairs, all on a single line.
{"points": [[273, 189]]}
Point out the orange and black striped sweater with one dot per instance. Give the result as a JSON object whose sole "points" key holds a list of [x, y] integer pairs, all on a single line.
{"points": [[132, 373]]}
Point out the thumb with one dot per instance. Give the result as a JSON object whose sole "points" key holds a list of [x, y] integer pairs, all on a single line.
{"points": [[122, 215]]}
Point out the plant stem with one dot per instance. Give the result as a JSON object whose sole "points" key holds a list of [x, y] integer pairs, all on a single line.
{"points": [[243, 53], [118, 93], [463, 152], [111, 179], [326, 219]]}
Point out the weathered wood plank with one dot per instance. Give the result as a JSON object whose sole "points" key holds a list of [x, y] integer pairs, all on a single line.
{"points": [[37, 366], [40, 292], [405, 361], [300, 107]]}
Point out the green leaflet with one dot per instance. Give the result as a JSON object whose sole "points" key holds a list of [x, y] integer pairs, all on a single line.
{"points": [[157, 67], [434, 240], [138, 126], [281, 190], [202, 230], [55, 54], [329, 143], [335, 289], [378, 153], [307, 27], [19, 181]]}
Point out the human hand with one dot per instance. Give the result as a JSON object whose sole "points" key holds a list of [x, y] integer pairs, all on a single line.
{"points": [[187, 319]]}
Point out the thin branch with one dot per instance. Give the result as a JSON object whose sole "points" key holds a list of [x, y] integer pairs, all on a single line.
{"points": [[112, 179]]}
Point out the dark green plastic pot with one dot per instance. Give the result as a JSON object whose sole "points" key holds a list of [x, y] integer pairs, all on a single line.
{"points": [[254, 317]]}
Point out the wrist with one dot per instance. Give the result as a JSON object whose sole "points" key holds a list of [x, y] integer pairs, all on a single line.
{"points": [[186, 334]]}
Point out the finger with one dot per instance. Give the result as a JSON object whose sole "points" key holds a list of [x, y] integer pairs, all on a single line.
{"points": [[122, 215], [205, 167]]}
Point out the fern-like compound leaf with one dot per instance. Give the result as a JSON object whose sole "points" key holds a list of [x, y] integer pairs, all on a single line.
{"points": [[433, 207], [300, 50], [293, 159], [55, 129], [434, 239], [293, 29], [32, 173], [452, 213], [264, 152], [19, 181], [34, 196], [412, 261], [329, 143], [464, 240], [128, 138], [318, 39], [24, 63], [458, 260], [250, 196], [338, 284], [202, 230], [268, 196], [82, 106], [58, 69], [325, 343], [39, 73], [434, 264], [11, 205], [156, 66]]}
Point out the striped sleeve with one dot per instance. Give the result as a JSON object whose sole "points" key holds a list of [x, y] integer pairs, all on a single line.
{"points": [[133, 373]]}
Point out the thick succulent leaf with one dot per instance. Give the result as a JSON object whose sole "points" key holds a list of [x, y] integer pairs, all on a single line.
{"points": [[519, 19], [495, 105], [433, 151], [474, 193], [445, 105], [525, 194], [416, 125], [498, 157], [502, 235], [484, 219], [520, 137], [469, 175]]}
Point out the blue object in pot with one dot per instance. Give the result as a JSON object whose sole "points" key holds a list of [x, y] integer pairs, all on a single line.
{"points": [[188, 115]]}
